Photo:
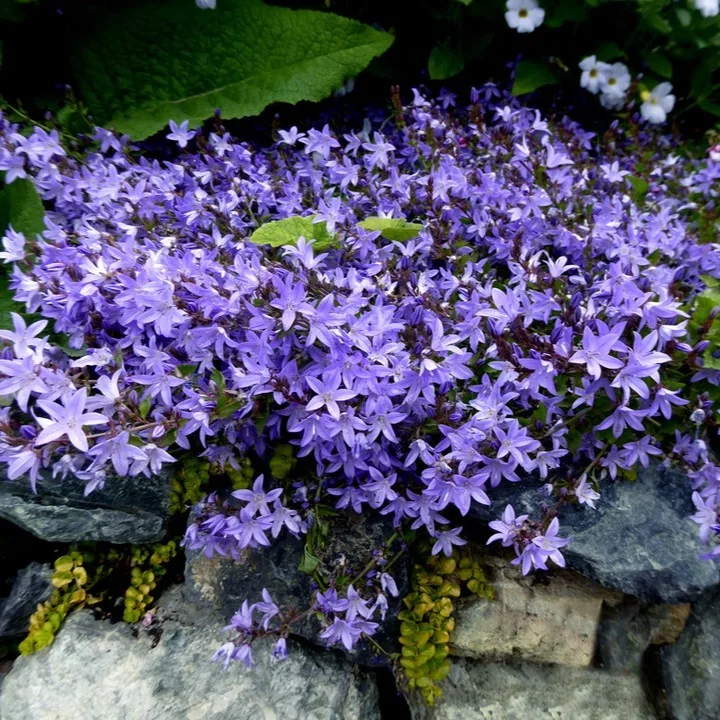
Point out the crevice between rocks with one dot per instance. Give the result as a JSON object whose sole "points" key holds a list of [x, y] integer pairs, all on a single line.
{"points": [[393, 705]]}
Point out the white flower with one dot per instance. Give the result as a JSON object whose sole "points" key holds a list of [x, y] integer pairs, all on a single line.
{"points": [[206, 4], [658, 103], [524, 15], [714, 152], [593, 72], [614, 84], [708, 8]]}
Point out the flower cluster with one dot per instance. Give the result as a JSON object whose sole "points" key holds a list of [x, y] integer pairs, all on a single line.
{"points": [[612, 82], [346, 618], [539, 325]]}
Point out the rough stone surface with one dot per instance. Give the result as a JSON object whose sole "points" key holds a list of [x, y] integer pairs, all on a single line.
{"points": [[640, 540], [126, 510], [98, 671], [627, 630], [476, 691], [552, 620], [692, 665], [32, 586], [221, 584]]}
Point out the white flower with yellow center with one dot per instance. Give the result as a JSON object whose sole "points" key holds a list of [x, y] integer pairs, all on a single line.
{"points": [[658, 103], [614, 84], [593, 73], [524, 15]]}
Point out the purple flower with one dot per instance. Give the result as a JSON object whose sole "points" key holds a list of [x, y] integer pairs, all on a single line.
{"points": [[585, 493], [67, 420], [595, 353], [180, 133], [706, 516], [507, 528], [347, 633], [22, 379], [257, 499], [446, 539], [328, 394], [321, 142], [280, 650], [267, 607]]}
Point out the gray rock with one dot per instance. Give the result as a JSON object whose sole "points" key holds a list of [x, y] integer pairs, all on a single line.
{"points": [[32, 586], [640, 540], [691, 666], [630, 628], [126, 510], [221, 584], [475, 691], [98, 671], [548, 619]]}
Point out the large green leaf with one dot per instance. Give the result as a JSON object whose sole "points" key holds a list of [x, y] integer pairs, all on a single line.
{"points": [[531, 75], [143, 66], [288, 231], [21, 207]]}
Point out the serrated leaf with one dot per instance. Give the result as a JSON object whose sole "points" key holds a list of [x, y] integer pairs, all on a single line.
{"points": [[392, 228], [289, 231], [144, 65], [445, 61], [21, 207], [531, 75], [659, 64]]}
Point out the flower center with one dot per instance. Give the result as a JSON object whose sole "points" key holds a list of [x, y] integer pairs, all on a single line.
{"points": [[523, 13]]}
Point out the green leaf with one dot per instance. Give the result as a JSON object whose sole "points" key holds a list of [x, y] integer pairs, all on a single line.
{"points": [[609, 51], [226, 407], [282, 461], [309, 562], [21, 207], [445, 62], [144, 65], [640, 186], [144, 408], [710, 107], [531, 75], [392, 228], [187, 370], [568, 11], [465, 2], [701, 79], [7, 304], [659, 64], [289, 231], [683, 15]]}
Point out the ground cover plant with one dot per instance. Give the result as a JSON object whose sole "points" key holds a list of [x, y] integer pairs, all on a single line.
{"points": [[392, 319], [390, 309]]}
